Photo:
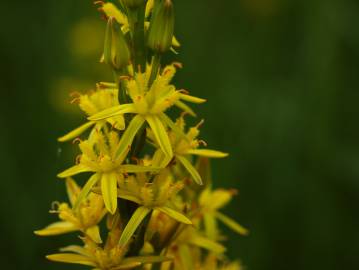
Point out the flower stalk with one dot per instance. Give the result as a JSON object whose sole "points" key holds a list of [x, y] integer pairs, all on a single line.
{"points": [[148, 202]]}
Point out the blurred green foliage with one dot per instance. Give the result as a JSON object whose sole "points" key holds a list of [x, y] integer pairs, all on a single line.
{"points": [[282, 80]]}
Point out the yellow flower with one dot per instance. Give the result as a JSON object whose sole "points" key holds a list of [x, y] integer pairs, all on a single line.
{"points": [[109, 257], [156, 195], [149, 105], [98, 156], [186, 249], [210, 202], [185, 145], [85, 219], [105, 96]]}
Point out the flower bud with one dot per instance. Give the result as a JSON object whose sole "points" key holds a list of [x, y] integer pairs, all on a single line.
{"points": [[161, 29], [116, 51], [134, 3]]}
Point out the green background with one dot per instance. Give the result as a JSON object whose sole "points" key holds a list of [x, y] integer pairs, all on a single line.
{"points": [[282, 82]]}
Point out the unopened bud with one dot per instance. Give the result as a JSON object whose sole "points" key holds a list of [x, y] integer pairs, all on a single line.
{"points": [[161, 29], [116, 51], [134, 3]]}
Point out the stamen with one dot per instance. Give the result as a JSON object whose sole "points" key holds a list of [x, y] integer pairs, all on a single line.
{"points": [[203, 143], [184, 91], [78, 159], [200, 124], [177, 64], [77, 140]]}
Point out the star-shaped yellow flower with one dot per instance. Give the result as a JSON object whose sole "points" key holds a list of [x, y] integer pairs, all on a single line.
{"points": [[149, 105], [98, 156], [185, 145], [158, 194], [105, 96], [85, 218], [110, 256]]}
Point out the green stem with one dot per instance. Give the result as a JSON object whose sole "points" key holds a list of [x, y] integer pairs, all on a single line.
{"points": [[139, 40], [122, 95], [156, 64]]}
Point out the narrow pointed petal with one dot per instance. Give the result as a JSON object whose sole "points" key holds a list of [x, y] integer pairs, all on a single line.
{"points": [[112, 11], [146, 259], [86, 189], [71, 258], [76, 132], [130, 168], [185, 108], [113, 111], [94, 233], [123, 195], [161, 135], [57, 228], [72, 189], [192, 170], [206, 243], [76, 249], [175, 214], [126, 266], [192, 99], [232, 224], [210, 226], [173, 126], [160, 159], [128, 136], [186, 257], [74, 170], [207, 153], [109, 191], [135, 221]]}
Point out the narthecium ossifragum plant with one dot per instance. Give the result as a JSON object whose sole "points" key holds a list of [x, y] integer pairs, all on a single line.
{"points": [[148, 202]]}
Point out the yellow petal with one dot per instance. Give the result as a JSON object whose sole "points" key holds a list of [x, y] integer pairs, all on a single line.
{"points": [[149, 7], [159, 159], [71, 258], [146, 259], [210, 226], [137, 217], [129, 197], [130, 168], [126, 266], [74, 170], [57, 228], [186, 257], [175, 42], [189, 167], [207, 153], [160, 134], [109, 191], [86, 189], [113, 111], [112, 11], [179, 132], [174, 214], [185, 108], [76, 132], [76, 249], [232, 224], [207, 244], [192, 99], [72, 189], [94, 233], [128, 136]]}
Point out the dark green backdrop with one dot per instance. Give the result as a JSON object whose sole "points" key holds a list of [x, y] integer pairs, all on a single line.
{"points": [[282, 82]]}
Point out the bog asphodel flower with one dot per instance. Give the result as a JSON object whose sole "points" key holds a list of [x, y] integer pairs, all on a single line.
{"points": [[148, 201], [149, 104]]}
